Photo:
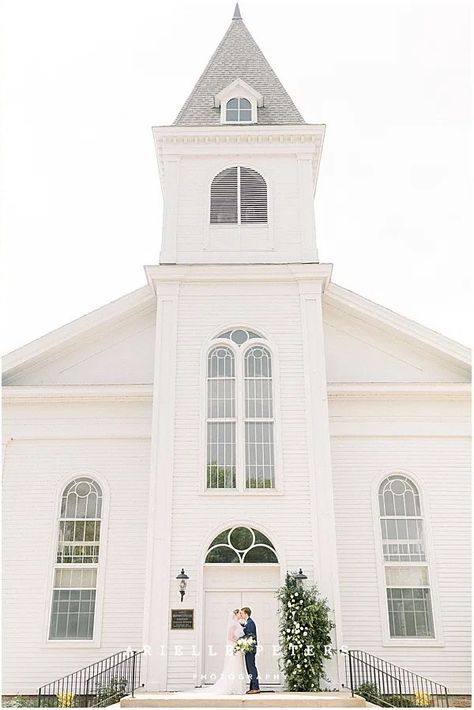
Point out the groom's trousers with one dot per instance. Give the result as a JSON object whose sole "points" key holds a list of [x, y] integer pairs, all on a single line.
{"points": [[252, 670]]}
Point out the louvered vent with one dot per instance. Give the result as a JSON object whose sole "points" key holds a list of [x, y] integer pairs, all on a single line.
{"points": [[238, 196], [253, 197], [224, 197]]}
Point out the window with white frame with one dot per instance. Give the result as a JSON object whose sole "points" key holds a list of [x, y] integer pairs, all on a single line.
{"points": [[77, 560], [240, 413], [238, 110], [406, 569], [238, 196]]}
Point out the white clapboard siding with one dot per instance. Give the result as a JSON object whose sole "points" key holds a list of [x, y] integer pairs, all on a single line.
{"points": [[441, 465], [286, 517], [275, 237], [33, 471]]}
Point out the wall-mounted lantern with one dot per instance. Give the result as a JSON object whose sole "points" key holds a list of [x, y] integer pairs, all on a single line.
{"points": [[182, 577], [300, 577]]}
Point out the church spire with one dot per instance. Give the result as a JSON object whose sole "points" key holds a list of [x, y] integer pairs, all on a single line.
{"points": [[237, 15], [238, 57]]}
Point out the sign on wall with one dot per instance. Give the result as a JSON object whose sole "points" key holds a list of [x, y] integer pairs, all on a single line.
{"points": [[182, 618]]}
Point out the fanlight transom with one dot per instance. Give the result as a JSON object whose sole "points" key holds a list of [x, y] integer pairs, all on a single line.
{"points": [[241, 545]]}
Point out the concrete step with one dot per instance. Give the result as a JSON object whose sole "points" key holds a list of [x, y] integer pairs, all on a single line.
{"points": [[339, 699]]}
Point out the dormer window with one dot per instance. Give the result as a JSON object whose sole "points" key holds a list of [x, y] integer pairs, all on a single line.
{"points": [[238, 110], [239, 103]]}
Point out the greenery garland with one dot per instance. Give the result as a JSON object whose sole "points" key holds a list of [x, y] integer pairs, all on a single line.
{"points": [[305, 636]]}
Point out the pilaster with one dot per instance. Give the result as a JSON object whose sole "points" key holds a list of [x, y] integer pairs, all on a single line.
{"points": [[319, 450], [162, 462]]}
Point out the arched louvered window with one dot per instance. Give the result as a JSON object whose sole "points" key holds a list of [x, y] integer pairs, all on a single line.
{"points": [[238, 196], [406, 569], [77, 560], [240, 437], [221, 419], [238, 110]]}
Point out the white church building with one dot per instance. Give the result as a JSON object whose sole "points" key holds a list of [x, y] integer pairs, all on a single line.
{"points": [[237, 417]]}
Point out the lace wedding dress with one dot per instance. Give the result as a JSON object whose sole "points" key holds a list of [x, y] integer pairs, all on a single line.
{"points": [[233, 679]]}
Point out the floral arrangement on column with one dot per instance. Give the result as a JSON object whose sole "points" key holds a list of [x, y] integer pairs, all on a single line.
{"points": [[305, 636]]}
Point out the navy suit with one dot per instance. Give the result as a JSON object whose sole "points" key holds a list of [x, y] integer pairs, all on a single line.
{"points": [[251, 630]]}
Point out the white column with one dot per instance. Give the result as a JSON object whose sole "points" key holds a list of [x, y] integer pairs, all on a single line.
{"points": [[324, 524], [156, 616], [309, 250], [170, 209]]}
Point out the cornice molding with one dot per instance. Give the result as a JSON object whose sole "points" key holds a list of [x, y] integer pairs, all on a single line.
{"points": [[173, 141], [399, 390], [77, 393], [245, 133], [205, 273], [144, 392]]}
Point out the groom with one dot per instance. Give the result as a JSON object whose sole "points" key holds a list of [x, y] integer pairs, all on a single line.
{"points": [[250, 630]]}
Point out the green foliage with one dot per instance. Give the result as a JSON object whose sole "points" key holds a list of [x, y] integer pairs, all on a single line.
{"points": [[370, 692], [111, 693], [305, 635], [399, 701], [220, 476], [21, 701]]}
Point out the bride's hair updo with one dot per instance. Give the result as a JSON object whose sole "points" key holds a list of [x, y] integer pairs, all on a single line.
{"points": [[236, 611]]}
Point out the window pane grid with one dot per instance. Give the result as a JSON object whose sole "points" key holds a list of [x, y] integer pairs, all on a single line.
{"points": [[259, 458], [221, 469], [74, 589], [410, 612], [221, 426], [403, 539], [407, 587], [72, 614], [238, 110]]}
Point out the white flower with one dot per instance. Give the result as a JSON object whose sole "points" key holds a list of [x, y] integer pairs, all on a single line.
{"points": [[305, 633], [296, 594]]}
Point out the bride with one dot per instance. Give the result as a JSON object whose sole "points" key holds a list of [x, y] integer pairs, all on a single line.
{"points": [[233, 678]]}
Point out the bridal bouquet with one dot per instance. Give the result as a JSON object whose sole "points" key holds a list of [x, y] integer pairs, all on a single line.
{"points": [[246, 644]]}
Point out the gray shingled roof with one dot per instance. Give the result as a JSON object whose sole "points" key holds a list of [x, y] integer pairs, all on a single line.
{"points": [[238, 57]]}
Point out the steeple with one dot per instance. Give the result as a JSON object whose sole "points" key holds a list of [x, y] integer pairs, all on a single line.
{"points": [[238, 57]]}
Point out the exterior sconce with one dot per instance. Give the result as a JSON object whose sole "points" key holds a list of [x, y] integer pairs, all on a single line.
{"points": [[300, 577], [182, 576]]}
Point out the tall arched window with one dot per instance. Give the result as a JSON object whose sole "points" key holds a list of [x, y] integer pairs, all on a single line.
{"points": [[259, 456], [238, 196], [240, 446], [406, 570], [77, 560], [221, 422]]}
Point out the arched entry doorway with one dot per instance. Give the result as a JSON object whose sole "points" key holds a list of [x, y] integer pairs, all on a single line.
{"points": [[241, 569]]}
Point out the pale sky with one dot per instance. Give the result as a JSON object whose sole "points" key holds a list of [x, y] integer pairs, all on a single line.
{"points": [[83, 82]]}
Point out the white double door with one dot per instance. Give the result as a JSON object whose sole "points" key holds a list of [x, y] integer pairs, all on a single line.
{"points": [[227, 587]]}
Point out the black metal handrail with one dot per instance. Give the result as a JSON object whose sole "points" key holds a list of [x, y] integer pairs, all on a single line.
{"points": [[96, 686], [388, 685]]}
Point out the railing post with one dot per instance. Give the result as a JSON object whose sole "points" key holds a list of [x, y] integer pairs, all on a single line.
{"points": [[133, 673], [39, 697], [350, 673]]}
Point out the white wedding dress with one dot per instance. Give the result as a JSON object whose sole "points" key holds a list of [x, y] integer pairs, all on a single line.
{"points": [[233, 679]]}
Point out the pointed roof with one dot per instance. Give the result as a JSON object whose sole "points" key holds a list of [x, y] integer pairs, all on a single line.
{"points": [[238, 57]]}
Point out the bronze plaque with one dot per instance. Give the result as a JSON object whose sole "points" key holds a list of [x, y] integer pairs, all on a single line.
{"points": [[182, 618]]}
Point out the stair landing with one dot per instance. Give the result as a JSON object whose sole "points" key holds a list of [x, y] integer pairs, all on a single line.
{"points": [[340, 699]]}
